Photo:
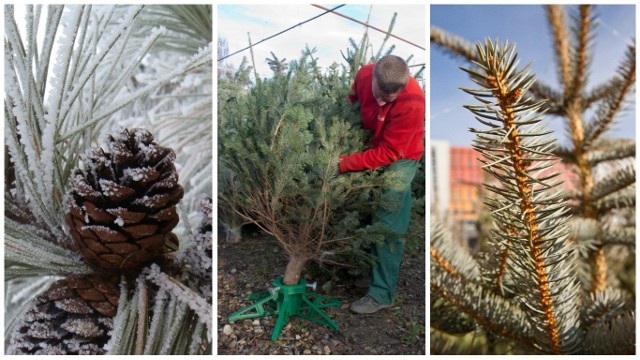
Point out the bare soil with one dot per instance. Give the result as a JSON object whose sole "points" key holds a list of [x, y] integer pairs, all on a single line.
{"points": [[252, 265]]}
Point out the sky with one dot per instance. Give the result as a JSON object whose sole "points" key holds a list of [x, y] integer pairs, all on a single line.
{"points": [[527, 26], [329, 33]]}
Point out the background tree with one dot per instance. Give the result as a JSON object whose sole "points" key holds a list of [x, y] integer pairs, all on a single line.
{"points": [[231, 84], [602, 209], [106, 72]]}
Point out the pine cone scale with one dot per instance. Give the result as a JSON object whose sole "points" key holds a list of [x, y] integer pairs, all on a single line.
{"points": [[81, 327], [78, 282], [71, 326], [107, 235], [169, 225], [83, 189], [168, 182], [90, 294], [153, 202], [112, 299], [104, 308], [122, 207], [121, 154], [75, 212], [110, 260], [81, 229], [95, 246], [42, 332], [165, 214], [152, 242], [73, 305], [140, 177], [142, 230], [97, 214], [60, 293], [127, 216], [114, 192], [123, 248]]}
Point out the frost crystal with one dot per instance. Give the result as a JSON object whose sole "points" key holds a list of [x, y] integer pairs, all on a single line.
{"points": [[82, 327], [109, 188], [76, 306], [86, 215], [150, 202], [42, 331], [82, 187], [120, 135], [134, 174]]}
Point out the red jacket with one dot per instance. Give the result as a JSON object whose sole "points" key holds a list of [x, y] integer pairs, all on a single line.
{"points": [[397, 127]]}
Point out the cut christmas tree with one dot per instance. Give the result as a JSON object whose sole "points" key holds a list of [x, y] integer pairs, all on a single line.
{"points": [[282, 140]]}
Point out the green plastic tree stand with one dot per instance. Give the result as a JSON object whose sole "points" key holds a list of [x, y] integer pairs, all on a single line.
{"points": [[288, 300]]}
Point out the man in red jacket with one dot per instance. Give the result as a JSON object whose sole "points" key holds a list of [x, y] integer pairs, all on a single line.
{"points": [[392, 107]]}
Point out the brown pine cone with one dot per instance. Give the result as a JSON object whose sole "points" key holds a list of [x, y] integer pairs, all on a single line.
{"points": [[73, 317], [122, 206]]}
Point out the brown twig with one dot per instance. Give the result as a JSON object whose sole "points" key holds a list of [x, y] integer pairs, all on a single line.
{"points": [[143, 304], [275, 132]]}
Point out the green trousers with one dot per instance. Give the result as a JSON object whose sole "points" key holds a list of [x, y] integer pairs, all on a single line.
{"points": [[395, 218]]}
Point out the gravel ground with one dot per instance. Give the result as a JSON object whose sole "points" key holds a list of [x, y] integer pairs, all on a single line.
{"points": [[251, 266]]}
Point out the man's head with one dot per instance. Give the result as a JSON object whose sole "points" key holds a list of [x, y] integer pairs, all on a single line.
{"points": [[390, 76]]}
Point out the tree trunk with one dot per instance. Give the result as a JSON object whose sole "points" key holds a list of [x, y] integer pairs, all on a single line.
{"points": [[293, 270]]}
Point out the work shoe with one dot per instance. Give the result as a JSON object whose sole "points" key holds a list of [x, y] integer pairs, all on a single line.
{"points": [[367, 305]]}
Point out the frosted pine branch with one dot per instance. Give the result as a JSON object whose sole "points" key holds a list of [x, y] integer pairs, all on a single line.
{"points": [[157, 321], [198, 304], [56, 93], [115, 345], [108, 90], [172, 329], [25, 247], [200, 59]]}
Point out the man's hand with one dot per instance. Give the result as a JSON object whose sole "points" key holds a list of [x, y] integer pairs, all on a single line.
{"points": [[341, 163]]}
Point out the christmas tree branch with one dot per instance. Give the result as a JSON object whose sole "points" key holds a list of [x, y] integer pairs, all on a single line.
{"points": [[531, 256], [182, 293], [27, 247], [603, 306], [200, 59], [622, 199], [580, 52], [452, 259], [605, 151], [488, 310], [615, 98], [526, 211], [615, 337], [617, 180], [500, 271], [459, 47], [555, 16]]}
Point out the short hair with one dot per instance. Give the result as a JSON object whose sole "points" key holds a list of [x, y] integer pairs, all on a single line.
{"points": [[391, 73]]}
